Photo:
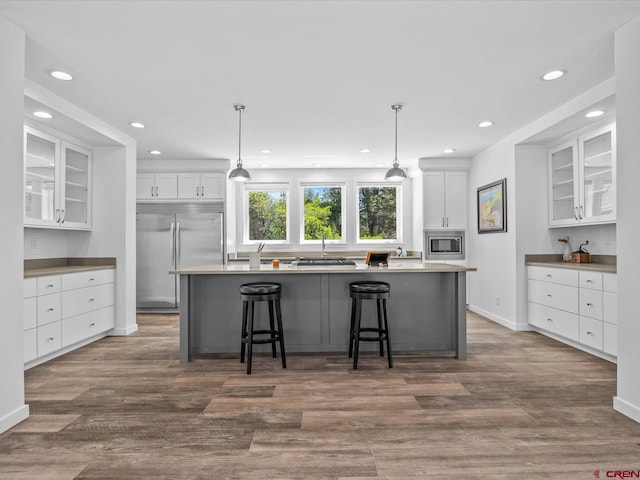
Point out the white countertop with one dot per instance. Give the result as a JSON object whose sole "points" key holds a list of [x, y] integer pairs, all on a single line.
{"points": [[291, 269]]}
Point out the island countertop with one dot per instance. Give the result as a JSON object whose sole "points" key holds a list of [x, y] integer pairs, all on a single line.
{"points": [[239, 269]]}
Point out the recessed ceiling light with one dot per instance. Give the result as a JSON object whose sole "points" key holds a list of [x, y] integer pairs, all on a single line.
{"points": [[137, 125], [316, 165], [155, 152], [263, 165], [449, 150], [485, 124], [379, 164], [266, 150], [40, 114], [365, 150], [61, 75], [553, 75], [594, 113]]}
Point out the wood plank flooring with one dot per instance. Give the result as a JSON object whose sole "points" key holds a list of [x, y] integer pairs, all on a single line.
{"points": [[522, 406]]}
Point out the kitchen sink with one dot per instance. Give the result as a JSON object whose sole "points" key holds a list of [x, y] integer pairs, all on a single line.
{"points": [[324, 262]]}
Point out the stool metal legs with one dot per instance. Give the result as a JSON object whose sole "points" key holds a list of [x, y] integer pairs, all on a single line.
{"points": [[356, 329], [248, 332]]}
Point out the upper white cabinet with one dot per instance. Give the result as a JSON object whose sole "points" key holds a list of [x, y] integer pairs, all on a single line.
{"points": [[201, 186], [445, 200], [157, 186], [57, 181], [582, 179]]}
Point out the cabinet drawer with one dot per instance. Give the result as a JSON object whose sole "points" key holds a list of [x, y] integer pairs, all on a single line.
{"points": [[555, 321], [610, 339], [610, 282], [72, 281], [30, 345], [554, 275], [30, 287], [48, 284], [554, 295], [591, 303], [81, 327], [591, 280], [48, 309], [591, 332], [610, 307], [82, 300], [49, 338], [30, 313]]}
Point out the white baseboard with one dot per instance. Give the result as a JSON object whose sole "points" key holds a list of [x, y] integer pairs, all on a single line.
{"points": [[518, 327], [123, 332], [14, 418], [626, 408]]}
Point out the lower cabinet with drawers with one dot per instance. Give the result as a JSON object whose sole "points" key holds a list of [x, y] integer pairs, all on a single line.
{"points": [[64, 312], [578, 307]]}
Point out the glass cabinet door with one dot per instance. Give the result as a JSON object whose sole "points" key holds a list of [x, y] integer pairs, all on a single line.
{"points": [[76, 185], [563, 173], [41, 170], [597, 186]]}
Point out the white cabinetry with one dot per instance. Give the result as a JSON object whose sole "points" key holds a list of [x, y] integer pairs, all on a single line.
{"points": [[445, 200], [157, 186], [575, 306], [582, 174], [57, 182], [63, 312], [201, 186]]}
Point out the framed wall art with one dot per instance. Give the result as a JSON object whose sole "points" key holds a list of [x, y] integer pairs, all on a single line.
{"points": [[492, 207]]}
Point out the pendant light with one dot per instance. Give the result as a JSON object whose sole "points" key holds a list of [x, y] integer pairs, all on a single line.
{"points": [[239, 174], [395, 173]]}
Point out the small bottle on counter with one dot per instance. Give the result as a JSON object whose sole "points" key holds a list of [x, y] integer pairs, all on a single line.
{"points": [[275, 263]]}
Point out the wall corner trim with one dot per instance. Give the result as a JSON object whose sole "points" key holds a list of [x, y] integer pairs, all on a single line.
{"points": [[14, 418], [121, 332], [626, 408]]}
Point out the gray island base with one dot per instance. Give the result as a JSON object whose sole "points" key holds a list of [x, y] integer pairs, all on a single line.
{"points": [[426, 309]]}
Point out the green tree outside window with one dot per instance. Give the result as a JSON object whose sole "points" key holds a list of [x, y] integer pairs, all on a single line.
{"points": [[377, 210]]}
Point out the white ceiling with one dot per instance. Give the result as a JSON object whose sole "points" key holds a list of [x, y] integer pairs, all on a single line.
{"points": [[318, 77]]}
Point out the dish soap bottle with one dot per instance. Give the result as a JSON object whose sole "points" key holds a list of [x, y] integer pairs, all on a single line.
{"points": [[566, 255]]}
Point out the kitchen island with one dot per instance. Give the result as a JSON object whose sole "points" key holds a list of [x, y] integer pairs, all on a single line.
{"points": [[426, 309]]}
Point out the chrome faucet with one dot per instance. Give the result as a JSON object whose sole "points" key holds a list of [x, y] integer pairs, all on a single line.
{"points": [[323, 246]]}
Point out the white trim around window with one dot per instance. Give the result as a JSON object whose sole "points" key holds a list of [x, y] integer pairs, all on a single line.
{"points": [[344, 224], [399, 211], [283, 187]]}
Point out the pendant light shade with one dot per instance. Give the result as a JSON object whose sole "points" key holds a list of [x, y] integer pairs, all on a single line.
{"points": [[239, 174], [395, 173]]}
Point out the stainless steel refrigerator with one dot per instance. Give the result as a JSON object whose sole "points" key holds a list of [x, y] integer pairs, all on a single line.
{"points": [[171, 236]]}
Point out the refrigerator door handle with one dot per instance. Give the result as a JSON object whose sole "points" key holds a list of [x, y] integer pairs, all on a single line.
{"points": [[177, 244], [172, 242]]}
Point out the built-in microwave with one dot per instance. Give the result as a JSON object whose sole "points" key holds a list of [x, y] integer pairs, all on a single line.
{"points": [[443, 245]]}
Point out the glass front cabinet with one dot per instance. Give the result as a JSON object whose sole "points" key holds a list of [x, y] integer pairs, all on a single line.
{"points": [[582, 179], [57, 182]]}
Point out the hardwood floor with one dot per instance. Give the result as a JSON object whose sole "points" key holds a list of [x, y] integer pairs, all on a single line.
{"points": [[521, 406]]}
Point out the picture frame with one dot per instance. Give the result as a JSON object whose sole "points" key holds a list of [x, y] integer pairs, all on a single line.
{"points": [[377, 259], [492, 207]]}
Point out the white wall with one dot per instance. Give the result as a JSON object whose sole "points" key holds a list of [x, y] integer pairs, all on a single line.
{"points": [[627, 46], [294, 177], [12, 48]]}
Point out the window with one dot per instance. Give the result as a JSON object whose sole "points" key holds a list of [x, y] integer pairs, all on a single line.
{"points": [[378, 212], [322, 212], [267, 213]]}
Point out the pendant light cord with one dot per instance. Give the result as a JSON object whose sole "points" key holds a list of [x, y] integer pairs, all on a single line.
{"points": [[395, 161], [240, 108]]}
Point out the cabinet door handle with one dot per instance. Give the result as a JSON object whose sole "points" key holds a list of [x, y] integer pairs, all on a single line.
{"points": [[197, 191], [589, 281], [62, 216], [576, 213], [91, 279], [49, 309], [550, 320], [446, 219], [57, 215], [581, 212], [549, 275], [50, 285], [50, 339], [549, 295], [152, 191], [589, 304], [156, 191], [92, 300], [442, 222], [590, 333], [92, 324], [202, 191]]}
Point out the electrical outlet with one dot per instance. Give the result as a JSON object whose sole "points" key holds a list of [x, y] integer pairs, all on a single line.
{"points": [[497, 300], [34, 242]]}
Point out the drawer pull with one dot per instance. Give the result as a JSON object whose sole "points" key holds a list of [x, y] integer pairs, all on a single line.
{"points": [[589, 304], [92, 299], [549, 295], [590, 333], [50, 310], [91, 279], [50, 339], [550, 320], [92, 324], [50, 285], [549, 275], [589, 281]]}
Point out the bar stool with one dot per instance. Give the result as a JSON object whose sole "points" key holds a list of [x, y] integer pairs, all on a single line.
{"points": [[261, 292], [369, 290]]}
